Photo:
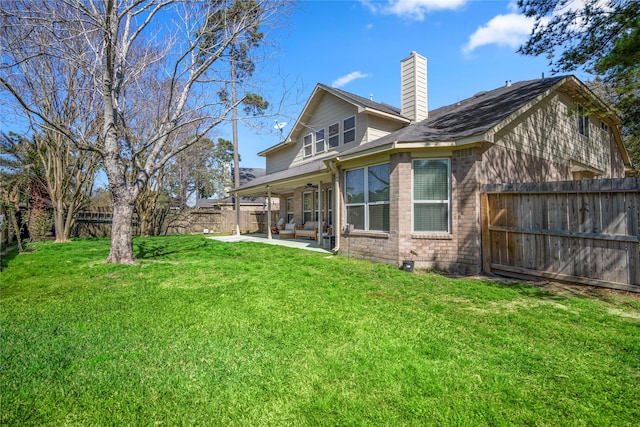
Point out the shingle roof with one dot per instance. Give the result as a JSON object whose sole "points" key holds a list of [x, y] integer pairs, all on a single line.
{"points": [[469, 117], [303, 169], [365, 102]]}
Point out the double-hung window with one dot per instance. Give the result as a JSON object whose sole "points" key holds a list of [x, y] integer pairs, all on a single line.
{"points": [[307, 145], [431, 195], [334, 135], [349, 130], [330, 206], [320, 141], [367, 197], [290, 212], [307, 206], [583, 121]]}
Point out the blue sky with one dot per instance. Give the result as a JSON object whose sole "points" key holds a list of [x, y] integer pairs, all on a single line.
{"points": [[356, 45]]}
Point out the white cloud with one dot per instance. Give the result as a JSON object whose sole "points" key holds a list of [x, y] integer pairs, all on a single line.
{"points": [[344, 80], [513, 29], [509, 30], [412, 9]]}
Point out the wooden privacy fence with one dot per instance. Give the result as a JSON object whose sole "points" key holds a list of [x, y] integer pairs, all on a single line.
{"points": [[583, 231], [97, 222]]}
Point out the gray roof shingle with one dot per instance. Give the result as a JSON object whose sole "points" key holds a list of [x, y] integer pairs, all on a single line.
{"points": [[365, 102], [469, 117]]}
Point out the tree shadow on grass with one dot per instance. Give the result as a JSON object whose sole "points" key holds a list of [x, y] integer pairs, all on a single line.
{"points": [[158, 248], [6, 257], [548, 289]]}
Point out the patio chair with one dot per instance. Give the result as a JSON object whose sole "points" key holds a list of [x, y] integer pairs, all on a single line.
{"points": [[289, 231], [310, 230], [276, 229]]}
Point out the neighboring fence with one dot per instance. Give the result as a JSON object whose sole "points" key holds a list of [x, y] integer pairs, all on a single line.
{"points": [[97, 222], [583, 231]]}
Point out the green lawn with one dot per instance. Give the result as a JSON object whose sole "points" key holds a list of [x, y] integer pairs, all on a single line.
{"points": [[208, 333]]}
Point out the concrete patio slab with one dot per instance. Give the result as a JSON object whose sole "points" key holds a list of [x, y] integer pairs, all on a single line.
{"points": [[305, 244]]}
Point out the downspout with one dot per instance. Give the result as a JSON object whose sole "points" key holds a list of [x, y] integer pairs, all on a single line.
{"points": [[269, 212], [336, 205]]}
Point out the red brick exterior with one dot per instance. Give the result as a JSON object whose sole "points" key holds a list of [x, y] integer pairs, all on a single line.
{"points": [[460, 251], [457, 252]]}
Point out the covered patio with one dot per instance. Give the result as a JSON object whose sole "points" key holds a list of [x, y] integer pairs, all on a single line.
{"points": [[307, 193]]}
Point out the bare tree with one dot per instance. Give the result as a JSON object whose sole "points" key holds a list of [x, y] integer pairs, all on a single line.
{"points": [[63, 97], [127, 45]]}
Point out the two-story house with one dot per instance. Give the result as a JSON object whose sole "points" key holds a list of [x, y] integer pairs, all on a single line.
{"points": [[404, 183]]}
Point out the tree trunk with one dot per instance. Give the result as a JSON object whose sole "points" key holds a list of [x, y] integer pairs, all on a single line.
{"points": [[60, 223], [121, 234]]}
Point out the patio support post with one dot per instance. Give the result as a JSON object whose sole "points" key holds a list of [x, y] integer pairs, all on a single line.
{"points": [[268, 212], [320, 214], [337, 208]]}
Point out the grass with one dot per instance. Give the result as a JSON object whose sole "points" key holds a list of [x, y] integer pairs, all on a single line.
{"points": [[207, 333]]}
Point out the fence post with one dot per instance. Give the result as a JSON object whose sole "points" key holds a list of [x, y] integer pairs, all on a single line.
{"points": [[485, 234]]}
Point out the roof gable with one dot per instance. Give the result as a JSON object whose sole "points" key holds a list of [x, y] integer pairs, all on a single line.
{"points": [[361, 103]]}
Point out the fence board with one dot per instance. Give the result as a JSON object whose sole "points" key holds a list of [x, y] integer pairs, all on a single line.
{"points": [[98, 223], [514, 240], [581, 231]]}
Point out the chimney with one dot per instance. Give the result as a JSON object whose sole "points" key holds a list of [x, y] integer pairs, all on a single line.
{"points": [[413, 87]]}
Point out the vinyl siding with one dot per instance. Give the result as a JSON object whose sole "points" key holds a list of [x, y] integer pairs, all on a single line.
{"points": [[549, 131], [330, 110], [379, 127]]}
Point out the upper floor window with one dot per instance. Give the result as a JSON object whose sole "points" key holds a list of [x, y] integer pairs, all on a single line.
{"points": [[307, 145], [320, 141], [367, 197], [349, 130], [431, 195], [334, 135], [583, 121]]}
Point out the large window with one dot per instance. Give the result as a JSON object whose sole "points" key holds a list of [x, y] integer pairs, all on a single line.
{"points": [[334, 135], [307, 207], [290, 212], [367, 198], [349, 130], [583, 121], [431, 195], [307, 145], [320, 141]]}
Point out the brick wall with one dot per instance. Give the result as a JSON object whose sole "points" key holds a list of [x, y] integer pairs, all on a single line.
{"points": [[457, 252]]}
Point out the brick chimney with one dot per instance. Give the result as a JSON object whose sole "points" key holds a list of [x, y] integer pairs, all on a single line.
{"points": [[413, 87]]}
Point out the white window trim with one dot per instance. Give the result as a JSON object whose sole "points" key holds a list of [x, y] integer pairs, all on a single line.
{"points": [[329, 205], [305, 145], [344, 131], [584, 121], [292, 212], [317, 141], [366, 202], [336, 135], [303, 209], [448, 202]]}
